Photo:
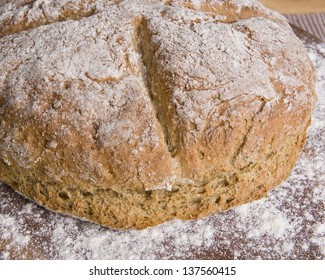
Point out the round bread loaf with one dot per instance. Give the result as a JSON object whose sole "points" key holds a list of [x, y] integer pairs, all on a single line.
{"points": [[131, 113]]}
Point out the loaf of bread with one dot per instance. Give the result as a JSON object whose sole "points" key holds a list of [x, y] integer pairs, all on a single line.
{"points": [[132, 113]]}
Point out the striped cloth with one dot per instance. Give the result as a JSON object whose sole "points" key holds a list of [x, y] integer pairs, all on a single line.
{"points": [[312, 23]]}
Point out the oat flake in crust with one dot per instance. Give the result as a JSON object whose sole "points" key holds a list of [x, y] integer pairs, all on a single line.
{"points": [[132, 113]]}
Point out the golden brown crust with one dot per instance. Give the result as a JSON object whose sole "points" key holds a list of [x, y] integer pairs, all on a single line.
{"points": [[149, 111]]}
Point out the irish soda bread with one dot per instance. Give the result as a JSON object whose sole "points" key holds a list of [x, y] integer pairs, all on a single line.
{"points": [[131, 113]]}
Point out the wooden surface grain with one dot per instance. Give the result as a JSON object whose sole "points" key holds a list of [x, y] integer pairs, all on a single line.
{"points": [[296, 6]]}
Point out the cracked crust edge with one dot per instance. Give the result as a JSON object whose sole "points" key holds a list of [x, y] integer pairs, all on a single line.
{"points": [[21, 19]]}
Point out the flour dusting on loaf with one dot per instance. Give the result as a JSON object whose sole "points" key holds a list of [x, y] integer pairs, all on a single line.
{"points": [[132, 113]]}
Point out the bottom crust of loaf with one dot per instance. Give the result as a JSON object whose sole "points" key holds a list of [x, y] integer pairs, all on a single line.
{"points": [[130, 208]]}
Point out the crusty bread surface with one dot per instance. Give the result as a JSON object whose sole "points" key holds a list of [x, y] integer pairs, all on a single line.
{"points": [[132, 113]]}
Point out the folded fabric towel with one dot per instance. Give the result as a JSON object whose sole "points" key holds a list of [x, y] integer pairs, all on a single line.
{"points": [[312, 23]]}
